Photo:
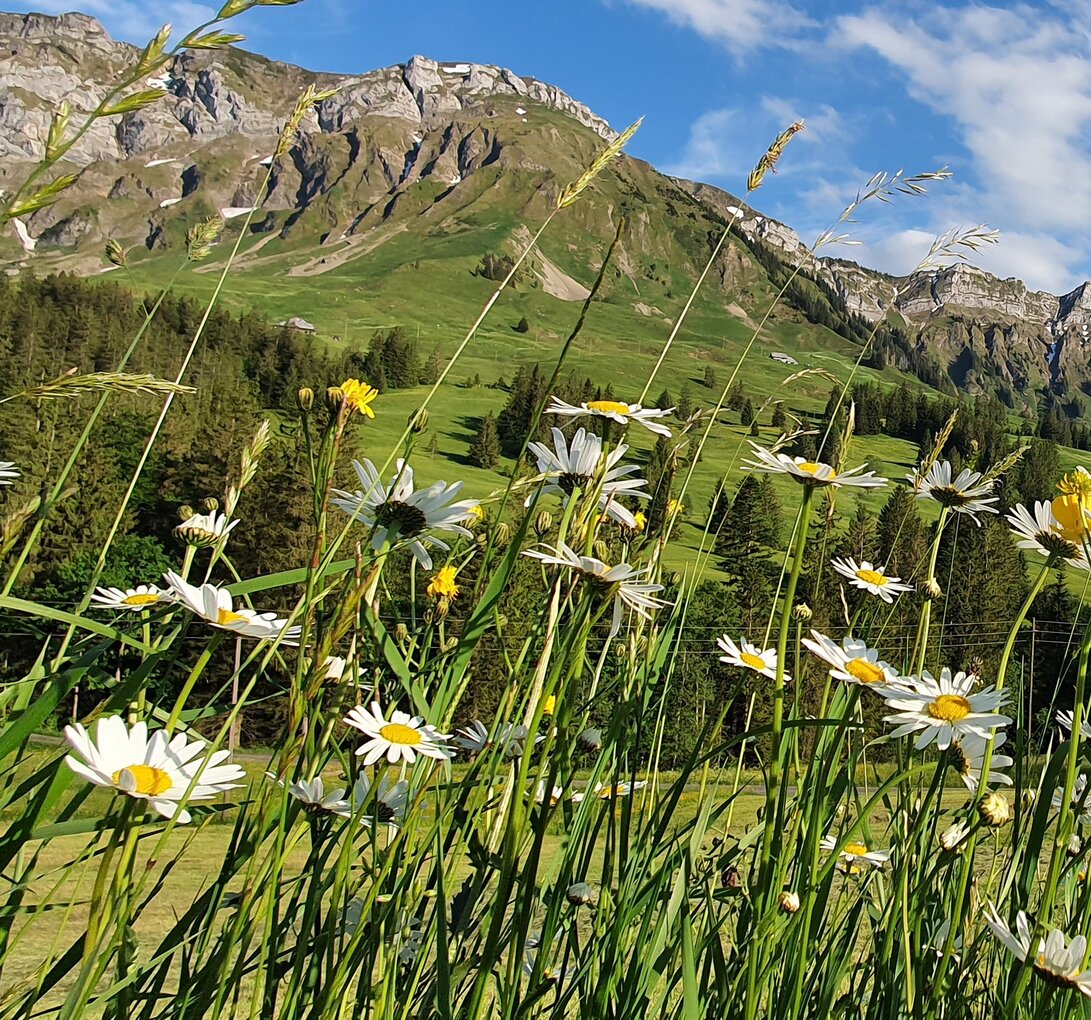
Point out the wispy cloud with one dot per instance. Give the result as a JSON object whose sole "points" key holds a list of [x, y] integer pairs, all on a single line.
{"points": [[740, 24], [135, 21]]}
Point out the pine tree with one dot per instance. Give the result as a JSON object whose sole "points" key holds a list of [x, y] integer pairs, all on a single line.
{"points": [[485, 448], [523, 325], [746, 415], [684, 407], [780, 418], [752, 524], [664, 400], [901, 538], [710, 377]]}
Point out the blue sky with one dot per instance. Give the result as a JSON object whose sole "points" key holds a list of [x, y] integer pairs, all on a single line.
{"points": [[999, 91]]}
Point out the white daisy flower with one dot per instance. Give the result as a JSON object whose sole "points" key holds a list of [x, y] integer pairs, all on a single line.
{"points": [[388, 802], [1080, 802], [1065, 719], [333, 667], [551, 975], [553, 798], [400, 738], [969, 493], [1054, 958], [953, 837], [870, 578], [8, 472], [204, 530], [615, 790], [143, 596], [943, 710], [853, 854], [399, 512], [937, 939], [748, 656], [160, 770], [580, 463], [852, 661], [626, 584], [314, 796], [968, 756], [214, 605], [615, 410], [1043, 533], [511, 738], [809, 472]]}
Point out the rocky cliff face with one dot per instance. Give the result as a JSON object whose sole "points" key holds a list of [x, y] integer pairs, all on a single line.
{"points": [[426, 147]]}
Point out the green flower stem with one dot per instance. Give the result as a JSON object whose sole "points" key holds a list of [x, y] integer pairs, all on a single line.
{"points": [[961, 902], [926, 609], [767, 888]]}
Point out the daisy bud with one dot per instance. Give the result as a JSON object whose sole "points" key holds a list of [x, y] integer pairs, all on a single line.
{"points": [[1075, 845], [620, 651], [1028, 797], [305, 398], [931, 589], [211, 505], [185, 512], [591, 739], [502, 533], [994, 810], [950, 839], [335, 399], [450, 644], [401, 633], [418, 421], [543, 523], [801, 612], [789, 902], [580, 894], [443, 607], [601, 550], [481, 540]]}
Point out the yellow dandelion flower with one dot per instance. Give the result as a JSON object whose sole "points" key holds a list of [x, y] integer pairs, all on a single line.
{"points": [[641, 521], [443, 584], [477, 514], [1073, 504], [549, 705], [359, 396], [675, 506]]}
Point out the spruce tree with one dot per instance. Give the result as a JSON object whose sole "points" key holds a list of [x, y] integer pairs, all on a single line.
{"points": [[485, 448], [746, 415], [780, 418]]}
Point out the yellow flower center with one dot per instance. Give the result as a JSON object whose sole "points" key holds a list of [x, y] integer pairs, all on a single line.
{"points": [[149, 781], [872, 577], [810, 467], [1069, 510], [752, 660], [397, 733], [949, 708], [856, 849], [139, 600], [443, 584], [608, 406], [359, 395], [864, 671], [225, 618]]}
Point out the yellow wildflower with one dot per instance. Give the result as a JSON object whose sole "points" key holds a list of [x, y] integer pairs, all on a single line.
{"points": [[358, 396], [443, 584], [1071, 507], [641, 520], [549, 705]]}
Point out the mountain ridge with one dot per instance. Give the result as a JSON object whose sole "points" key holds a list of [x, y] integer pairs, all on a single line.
{"points": [[433, 148]]}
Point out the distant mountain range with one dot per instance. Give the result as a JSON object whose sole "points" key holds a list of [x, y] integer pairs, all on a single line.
{"points": [[459, 157]]}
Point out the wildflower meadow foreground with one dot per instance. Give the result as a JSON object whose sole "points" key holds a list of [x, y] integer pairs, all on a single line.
{"points": [[856, 828]]}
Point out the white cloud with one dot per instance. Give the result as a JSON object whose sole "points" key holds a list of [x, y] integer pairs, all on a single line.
{"points": [[712, 151], [1017, 83], [741, 24], [132, 20]]}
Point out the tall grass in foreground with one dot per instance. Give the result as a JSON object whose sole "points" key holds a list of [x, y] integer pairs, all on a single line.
{"points": [[554, 872]]}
